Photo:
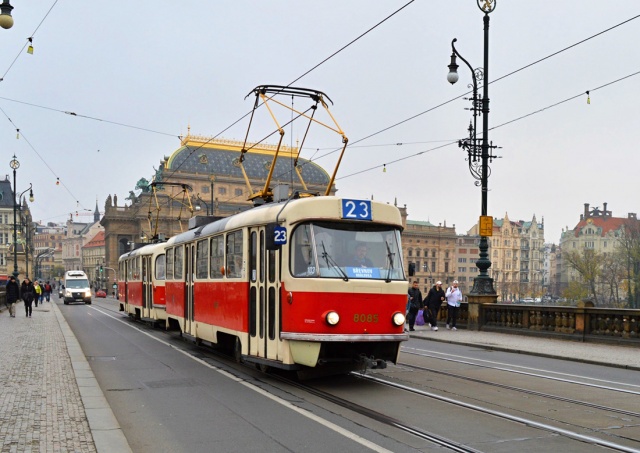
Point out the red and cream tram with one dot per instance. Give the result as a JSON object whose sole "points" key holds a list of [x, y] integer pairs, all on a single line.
{"points": [[284, 285], [141, 275]]}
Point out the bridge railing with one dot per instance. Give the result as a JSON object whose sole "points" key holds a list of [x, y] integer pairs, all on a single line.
{"points": [[580, 323]]}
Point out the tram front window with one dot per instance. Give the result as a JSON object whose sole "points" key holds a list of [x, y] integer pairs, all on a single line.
{"points": [[346, 251]]}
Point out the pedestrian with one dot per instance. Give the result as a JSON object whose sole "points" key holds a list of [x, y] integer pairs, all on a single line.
{"points": [[38, 293], [47, 291], [433, 301], [13, 294], [454, 297], [27, 294], [415, 304]]}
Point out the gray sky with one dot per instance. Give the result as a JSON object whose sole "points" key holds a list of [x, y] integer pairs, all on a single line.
{"points": [[161, 66]]}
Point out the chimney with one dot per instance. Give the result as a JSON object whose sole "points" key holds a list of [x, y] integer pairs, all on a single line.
{"points": [[586, 210], [604, 209]]}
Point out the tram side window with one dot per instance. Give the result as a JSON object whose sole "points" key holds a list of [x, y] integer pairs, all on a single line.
{"points": [[302, 261], [178, 263], [202, 258], [234, 254], [129, 270], [160, 267], [169, 263], [217, 256]]}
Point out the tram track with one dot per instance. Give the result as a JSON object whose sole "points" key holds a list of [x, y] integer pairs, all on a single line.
{"points": [[526, 391], [394, 422], [475, 363]]}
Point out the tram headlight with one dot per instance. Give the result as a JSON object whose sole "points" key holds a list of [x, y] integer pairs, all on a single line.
{"points": [[399, 319], [332, 318]]}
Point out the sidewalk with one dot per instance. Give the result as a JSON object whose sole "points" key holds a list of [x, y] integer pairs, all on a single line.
{"points": [[599, 354], [50, 400]]}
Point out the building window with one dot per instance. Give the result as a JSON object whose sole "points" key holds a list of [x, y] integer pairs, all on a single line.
{"points": [[433, 266], [205, 189], [462, 269], [446, 268], [418, 252], [462, 260], [238, 192], [222, 190]]}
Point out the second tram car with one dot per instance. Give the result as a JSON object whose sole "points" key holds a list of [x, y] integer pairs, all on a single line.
{"points": [[310, 284], [141, 277]]}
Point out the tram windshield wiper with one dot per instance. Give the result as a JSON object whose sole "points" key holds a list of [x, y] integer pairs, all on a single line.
{"points": [[331, 262], [390, 255]]}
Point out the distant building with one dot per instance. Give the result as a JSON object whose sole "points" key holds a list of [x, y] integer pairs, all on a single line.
{"points": [[597, 230], [516, 251], [432, 250], [24, 230]]}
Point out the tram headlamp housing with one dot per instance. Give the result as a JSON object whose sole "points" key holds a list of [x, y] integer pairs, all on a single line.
{"points": [[399, 319], [332, 318]]}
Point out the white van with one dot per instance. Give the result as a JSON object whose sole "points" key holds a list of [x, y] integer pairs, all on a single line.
{"points": [[76, 287]]}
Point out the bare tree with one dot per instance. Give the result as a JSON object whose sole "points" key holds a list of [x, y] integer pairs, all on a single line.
{"points": [[588, 264], [629, 249]]}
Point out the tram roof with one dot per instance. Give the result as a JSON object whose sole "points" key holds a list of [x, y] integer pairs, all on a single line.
{"points": [[295, 211]]}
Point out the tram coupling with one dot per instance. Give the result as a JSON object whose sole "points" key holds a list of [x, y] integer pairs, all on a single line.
{"points": [[372, 363]]}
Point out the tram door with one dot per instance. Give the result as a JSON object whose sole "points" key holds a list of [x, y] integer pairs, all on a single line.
{"points": [[189, 270], [147, 287], [264, 303]]}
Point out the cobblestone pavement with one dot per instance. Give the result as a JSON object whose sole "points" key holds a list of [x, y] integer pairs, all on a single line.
{"points": [[40, 405]]}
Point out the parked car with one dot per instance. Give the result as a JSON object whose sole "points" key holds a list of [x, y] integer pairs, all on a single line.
{"points": [[101, 293]]}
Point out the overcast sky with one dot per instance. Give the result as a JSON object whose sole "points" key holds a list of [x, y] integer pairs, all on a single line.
{"points": [[160, 66]]}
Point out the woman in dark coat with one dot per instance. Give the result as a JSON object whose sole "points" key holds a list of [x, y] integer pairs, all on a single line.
{"points": [[27, 294], [434, 299]]}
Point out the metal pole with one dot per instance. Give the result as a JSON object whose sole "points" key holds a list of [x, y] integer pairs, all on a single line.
{"points": [[15, 221]]}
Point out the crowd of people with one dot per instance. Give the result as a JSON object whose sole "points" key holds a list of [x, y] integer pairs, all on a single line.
{"points": [[29, 292], [431, 304]]}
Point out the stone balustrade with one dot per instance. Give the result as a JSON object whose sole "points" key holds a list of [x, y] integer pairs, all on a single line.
{"points": [[580, 323]]}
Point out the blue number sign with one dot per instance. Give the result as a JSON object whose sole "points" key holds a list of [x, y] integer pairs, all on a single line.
{"points": [[280, 235], [356, 209]]}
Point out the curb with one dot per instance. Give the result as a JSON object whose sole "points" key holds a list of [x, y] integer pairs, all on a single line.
{"points": [[107, 434]]}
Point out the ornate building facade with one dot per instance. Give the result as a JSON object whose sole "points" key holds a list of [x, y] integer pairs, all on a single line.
{"points": [[24, 230], [203, 176]]}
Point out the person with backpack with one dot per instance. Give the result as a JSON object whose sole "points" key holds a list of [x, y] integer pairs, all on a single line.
{"points": [[47, 291]]}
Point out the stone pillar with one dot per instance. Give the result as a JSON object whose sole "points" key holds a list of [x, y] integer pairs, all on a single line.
{"points": [[476, 315]]}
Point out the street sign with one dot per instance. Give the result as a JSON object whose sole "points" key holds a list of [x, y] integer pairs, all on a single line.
{"points": [[486, 225]]}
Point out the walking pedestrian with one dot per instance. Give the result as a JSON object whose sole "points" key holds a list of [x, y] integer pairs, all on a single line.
{"points": [[433, 301], [13, 294], [415, 304], [454, 297], [47, 291], [38, 292], [27, 294]]}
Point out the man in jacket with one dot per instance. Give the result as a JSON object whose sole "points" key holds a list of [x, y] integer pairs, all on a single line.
{"points": [[415, 304], [434, 299], [13, 294]]}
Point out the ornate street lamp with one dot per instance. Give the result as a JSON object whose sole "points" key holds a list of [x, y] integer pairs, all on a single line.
{"points": [[6, 21], [14, 164], [479, 157]]}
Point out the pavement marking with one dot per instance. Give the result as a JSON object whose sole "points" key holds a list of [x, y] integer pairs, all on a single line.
{"points": [[332, 426]]}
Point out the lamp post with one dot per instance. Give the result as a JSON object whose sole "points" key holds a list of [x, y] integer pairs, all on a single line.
{"points": [[479, 157], [14, 164]]}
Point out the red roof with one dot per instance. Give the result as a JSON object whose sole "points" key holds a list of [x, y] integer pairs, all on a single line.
{"points": [[97, 241], [606, 224]]}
